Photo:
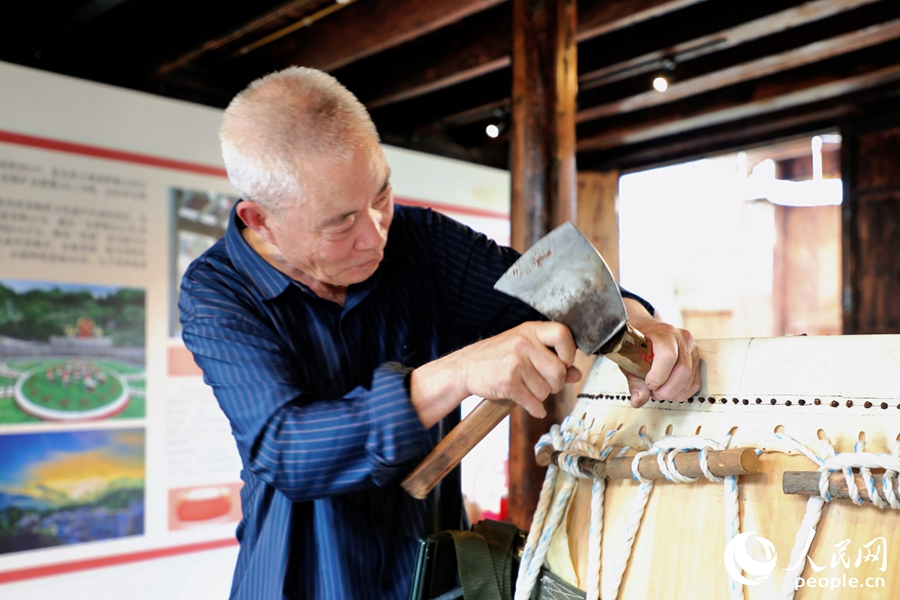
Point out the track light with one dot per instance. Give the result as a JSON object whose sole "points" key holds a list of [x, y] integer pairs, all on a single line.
{"points": [[495, 128], [664, 77]]}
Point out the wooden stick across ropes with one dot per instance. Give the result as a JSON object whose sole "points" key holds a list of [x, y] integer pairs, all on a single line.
{"points": [[807, 484], [722, 463]]}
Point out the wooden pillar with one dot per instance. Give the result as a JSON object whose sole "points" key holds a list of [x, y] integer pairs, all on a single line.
{"points": [[543, 187], [871, 223]]}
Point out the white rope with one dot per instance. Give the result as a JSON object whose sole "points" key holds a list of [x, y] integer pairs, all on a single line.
{"points": [[865, 462], [844, 462], [614, 582], [571, 448], [611, 587], [807, 530], [540, 514], [598, 491], [573, 438], [670, 447], [887, 480], [798, 559], [543, 526], [732, 527]]}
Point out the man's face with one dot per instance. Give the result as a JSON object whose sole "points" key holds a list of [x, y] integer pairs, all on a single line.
{"points": [[337, 234]]}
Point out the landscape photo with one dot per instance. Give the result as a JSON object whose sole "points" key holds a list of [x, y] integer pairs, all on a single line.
{"points": [[70, 487], [71, 352]]}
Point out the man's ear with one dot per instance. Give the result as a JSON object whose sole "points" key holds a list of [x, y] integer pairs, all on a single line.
{"points": [[256, 217]]}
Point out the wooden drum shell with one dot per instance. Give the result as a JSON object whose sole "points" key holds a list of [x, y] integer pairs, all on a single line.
{"points": [[679, 549]]}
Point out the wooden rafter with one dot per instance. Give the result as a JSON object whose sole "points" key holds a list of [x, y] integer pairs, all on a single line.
{"points": [[711, 140], [754, 69], [363, 29], [240, 33], [769, 98], [477, 45], [597, 18], [482, 45], [789, 18]]}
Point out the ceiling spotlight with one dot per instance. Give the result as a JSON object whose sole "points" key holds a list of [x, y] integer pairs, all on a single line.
{"points": [[662, 79], [492, 130]]}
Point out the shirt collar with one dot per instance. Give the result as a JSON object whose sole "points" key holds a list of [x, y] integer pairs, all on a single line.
{"points": [[271, 282], [267, 279]]}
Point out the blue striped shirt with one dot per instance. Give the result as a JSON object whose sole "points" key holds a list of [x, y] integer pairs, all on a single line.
{"points": [[319, 407], [318, 402]]}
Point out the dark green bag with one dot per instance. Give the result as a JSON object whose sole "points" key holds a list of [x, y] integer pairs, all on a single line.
{"points": [[481, 564]]}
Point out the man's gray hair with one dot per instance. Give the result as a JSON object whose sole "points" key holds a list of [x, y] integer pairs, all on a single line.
{"points": [[272, 129]]}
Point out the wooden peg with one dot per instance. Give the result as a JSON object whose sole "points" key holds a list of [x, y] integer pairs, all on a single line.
{"points": [[807, 483], [722, 463]]}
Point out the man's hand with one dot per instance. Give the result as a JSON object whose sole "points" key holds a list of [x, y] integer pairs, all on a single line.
{"points": [[525, 364], [675, 374]]}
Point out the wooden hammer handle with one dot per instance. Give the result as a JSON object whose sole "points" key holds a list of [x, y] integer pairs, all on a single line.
{"points": [[634, 354], [455, 445]]}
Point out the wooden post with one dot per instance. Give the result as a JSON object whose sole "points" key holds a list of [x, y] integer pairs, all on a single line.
{"points": [[543, 187]]}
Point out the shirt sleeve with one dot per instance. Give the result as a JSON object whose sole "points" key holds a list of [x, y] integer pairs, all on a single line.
{"points": [[306, 448]]}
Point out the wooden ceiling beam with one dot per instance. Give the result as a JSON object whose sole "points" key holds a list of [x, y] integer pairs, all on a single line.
{"points": [[754, 69], [841, 76], [717, 139], [364, 29], [262, 23], [492, 155], [599, 17], [467, 49], [481, 44], [767, 25], [429, 111]]}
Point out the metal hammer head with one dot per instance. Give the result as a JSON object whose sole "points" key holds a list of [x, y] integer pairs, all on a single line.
{"points": [[564, 277]]}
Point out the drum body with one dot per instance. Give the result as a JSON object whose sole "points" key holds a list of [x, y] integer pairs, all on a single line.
{"points": [[771, 395]]}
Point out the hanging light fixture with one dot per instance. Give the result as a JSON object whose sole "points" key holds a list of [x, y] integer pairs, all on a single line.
{"points": [[664, 76], [497, 124]]}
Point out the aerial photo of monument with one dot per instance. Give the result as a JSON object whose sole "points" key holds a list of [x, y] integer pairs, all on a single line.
{"points": [[71, 352]]}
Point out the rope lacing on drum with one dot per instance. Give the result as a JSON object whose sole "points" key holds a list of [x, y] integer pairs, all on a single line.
{"points": [[832, 463], [572, 440], [665, 450], [544, 524]]}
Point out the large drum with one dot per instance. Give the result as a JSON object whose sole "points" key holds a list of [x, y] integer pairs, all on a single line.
{"points": [[827, 408]]}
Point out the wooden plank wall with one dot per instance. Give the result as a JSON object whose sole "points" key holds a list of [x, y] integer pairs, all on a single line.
{"points": [[871, 223]]}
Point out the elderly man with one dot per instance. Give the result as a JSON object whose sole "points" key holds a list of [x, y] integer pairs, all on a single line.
{"points": [[340, 353]]}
